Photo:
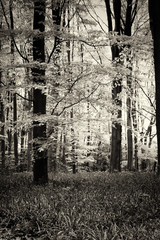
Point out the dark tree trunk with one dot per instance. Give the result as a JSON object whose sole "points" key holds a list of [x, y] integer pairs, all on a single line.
{"points": [[56, 18], [40, 168], [109, 15], [117, 85], [154, 12], [115, 163]]}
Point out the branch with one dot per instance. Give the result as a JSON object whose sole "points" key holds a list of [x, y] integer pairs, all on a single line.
{"points": [[140, 26], [18, 93], [96, 20], [93, 45], [100, 59], [69, 20], [2, 83], [146, 95], [80, 100], [69, 90], [134, 12], [142, 114], [149, 112], [54, 48], [30, 100]]}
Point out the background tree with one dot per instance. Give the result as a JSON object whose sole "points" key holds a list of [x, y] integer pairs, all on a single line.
{"points": [[154, 10]]}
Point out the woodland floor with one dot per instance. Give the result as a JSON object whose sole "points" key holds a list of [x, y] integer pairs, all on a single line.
{"points": [[88, 206]]}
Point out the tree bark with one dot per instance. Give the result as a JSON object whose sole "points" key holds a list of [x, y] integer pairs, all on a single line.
{"points": [[154, 12], [40, 168]]}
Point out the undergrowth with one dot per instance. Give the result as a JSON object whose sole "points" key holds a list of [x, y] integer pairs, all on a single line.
{"points": [[88, 206]]}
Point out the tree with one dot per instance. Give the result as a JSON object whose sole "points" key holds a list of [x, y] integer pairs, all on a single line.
{"points": [[124, 17], [154, 13], [40, 169], [117, 86], [2, 114], [14, 94]]}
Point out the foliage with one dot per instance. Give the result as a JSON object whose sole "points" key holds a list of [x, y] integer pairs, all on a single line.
{"points": [[81, 206]]}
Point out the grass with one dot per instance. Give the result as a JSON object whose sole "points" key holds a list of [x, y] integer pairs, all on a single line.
{"points": [[88, 206]]}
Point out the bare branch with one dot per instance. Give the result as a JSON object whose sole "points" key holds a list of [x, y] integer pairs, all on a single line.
{"points": [[146, 94], [96, 20], [30, 100], [149, 112]]}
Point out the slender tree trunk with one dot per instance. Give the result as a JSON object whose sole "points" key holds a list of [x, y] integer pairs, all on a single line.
{"points": [[15, 137], [2, 120], [64, 147], [22, 160], [128, 28], [9, 120], [29, 149], [135, 126], [129, 114], [15, 128], [40, 168], [154, 12], [2, 131], [72, 135], [30, 130]]}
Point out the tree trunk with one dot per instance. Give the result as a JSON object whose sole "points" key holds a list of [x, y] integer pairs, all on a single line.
{"points": [[15, 128], [135, 126], [40, 168], [128, 28], [154, 12], [115, 161], [30, 130], [56, 18], [15, 137], [129, 115], [2, 131], [2, 119]]}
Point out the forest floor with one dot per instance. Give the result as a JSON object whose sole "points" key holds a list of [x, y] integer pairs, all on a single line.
{"points": [[88, 206]]}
